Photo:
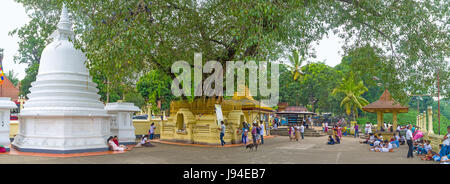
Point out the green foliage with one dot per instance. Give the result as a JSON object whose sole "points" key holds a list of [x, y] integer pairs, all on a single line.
{"points": [[353, 90], [31, 73], [12, 76], [136, 98], [317, 83], [125, 37], [296, 63], [155, 86]]}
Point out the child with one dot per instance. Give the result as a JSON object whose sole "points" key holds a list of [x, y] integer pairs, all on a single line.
{"points": [[428, 156], [330, 140], [427, 146], [402, 140], [437, 157], [338, 140], [380, 137], [387, 147], [445, 160], [394, 142]]}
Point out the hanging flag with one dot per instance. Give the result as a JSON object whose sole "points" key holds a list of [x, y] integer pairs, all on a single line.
{"points": [[2, 75]]}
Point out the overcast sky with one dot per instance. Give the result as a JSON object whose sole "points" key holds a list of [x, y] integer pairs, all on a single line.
{"points": [[13, 15]]}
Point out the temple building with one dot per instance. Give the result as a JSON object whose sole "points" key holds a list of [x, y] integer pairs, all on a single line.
{"points": [[196, 122], [292, 114], [8, 89]]}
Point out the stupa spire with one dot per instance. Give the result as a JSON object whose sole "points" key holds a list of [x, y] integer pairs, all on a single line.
{"points": [[64, 27]]}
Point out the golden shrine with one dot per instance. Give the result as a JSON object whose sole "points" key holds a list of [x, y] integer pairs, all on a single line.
{"points": [[196, 122]]}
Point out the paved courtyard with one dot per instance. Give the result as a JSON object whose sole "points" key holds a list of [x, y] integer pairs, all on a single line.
{"points": [[277, 150]]}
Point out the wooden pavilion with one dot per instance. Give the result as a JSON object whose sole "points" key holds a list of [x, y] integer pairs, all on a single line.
{"points": [[385, 105]]}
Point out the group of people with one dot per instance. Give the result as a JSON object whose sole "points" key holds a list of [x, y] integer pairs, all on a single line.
{"points": [[113, 144], [336, 138], [379, 144], [257, 132], [424, 151], [295, 131], [113, 141]]}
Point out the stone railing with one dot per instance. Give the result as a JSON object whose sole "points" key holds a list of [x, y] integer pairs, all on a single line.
{"points": [[435, 140]]}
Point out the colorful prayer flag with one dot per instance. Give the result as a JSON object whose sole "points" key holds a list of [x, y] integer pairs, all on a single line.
{"points": [[2, 75]]}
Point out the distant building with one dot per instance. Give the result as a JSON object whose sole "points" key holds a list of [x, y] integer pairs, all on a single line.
{"points": [[7, 89]]}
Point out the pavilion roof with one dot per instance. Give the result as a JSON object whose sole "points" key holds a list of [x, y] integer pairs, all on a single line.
{"points": [[295, 110], [386, 104]]}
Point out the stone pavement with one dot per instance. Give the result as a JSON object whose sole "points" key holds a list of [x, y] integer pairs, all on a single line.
{"points": [[278, 150]]}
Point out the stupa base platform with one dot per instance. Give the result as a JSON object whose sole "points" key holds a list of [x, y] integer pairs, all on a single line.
{"points": [[55, 151], [14, 151]]}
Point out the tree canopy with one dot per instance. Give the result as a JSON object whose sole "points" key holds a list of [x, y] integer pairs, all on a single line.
{"points": [[126, 37]]}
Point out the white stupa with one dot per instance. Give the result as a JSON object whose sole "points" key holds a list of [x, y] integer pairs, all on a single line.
{"points": [[63, 113]]}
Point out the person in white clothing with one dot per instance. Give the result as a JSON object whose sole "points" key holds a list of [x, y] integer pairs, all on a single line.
{"points": [[302, 130], [409, 141], [261, 131], [113, 146]]}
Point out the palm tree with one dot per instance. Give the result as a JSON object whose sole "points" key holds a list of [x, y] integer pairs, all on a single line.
{"points": [[353, 91], [295, 66]]}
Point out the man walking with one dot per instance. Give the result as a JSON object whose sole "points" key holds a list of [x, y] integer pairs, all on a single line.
{"points": [[302, 130], [409, 141], [356, 130], [261, 131], [222, 133]]}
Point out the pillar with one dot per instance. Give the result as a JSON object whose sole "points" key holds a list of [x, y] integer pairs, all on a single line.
{"points": [[422, 121], [417, 119], [5, 106], [379, 120], [121, 123], [425, 124], [430, 120], [394, 118]]}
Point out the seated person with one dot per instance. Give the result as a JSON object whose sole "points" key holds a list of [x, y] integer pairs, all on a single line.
{"points": [[338, 140], [330, 140], [380, 137], [389, 146], [427, 146], [395, 142], [444, 149], [377, 143], [437, 156], [116, 140], [402, 140], [384, 147], [445, 159], [113, 146], [145, 142], [368, 140], [428, 156]]}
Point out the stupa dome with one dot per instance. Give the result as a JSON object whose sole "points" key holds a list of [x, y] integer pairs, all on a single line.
{"points": [[63, 85]]}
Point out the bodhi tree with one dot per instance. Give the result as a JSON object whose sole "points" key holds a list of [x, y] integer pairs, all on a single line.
{"points": [[124, 37]]}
